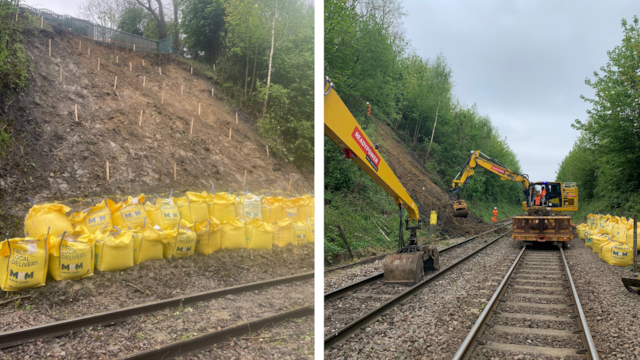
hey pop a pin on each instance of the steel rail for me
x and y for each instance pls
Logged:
(469, 340)
(18, 337)
(209, 339)
(586, 334)
(371, 316)
(377, 257)
(375, 277)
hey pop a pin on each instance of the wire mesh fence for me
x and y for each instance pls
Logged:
(104, 34)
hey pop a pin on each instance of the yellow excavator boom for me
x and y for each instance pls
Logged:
(343, 129)
(477, 158)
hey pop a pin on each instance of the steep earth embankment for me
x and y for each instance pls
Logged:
(53, 157)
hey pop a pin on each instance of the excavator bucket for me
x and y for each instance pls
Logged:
(408, 267)
(460, 209)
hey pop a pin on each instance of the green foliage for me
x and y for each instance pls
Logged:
(605, 160)
(133, 20)
(366, 59)
(203, 27)
(13, 62)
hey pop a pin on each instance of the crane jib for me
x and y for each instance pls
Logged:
(372, 157)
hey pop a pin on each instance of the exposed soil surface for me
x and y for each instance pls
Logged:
(414, 177)
(56, 158)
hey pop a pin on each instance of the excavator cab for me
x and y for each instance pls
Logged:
(460, 209)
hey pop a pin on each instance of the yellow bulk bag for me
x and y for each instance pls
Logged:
(597, 242)
(180, 241)
(289, 209)
(284, 233)
(240, 206)
(23, 263)
(96, 217)
(252, 207)
(259, 234)
(71, 257)
(603, 249)
(580, 229)
(619, 233)
(311, 226)
(618, 254)
(164, 213)
(588, 236)
(305, 207)
(233, 236)
(194, 207)
(47, 218)
(271, 209)
(629, 237)
(300, 232)
(113, 250)
(224, 207)
(209, 237)
(147, 243)
(130, 213)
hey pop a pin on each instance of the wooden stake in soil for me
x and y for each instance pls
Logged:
(76, 109)
(175, 172)
(160, 71)
(107, 170)
(290, 180)
(267, 150)
(191, 131)
(229, 133)
(144, 81)
(212, 92)
(49, 47)
(199, 108)
(98, 64)
(80, 46)
(236, 118)
(115, 83)
(245, 178)
(192, 70)
(130, 66)
(41, 21)
(89, 51)
(182, 90)
(140, 123)
(142, 62)
(117, 59)
(162, 99)
(60, 72)
(134, 47)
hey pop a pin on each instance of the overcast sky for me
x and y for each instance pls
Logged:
(523, 63)
(62, 7)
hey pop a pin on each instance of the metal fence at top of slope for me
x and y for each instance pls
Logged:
(101, 33)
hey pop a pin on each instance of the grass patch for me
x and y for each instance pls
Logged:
(484, 209)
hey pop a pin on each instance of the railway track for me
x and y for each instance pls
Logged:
(535, 311)
(382, 256)
(61, 328)
(389, 294)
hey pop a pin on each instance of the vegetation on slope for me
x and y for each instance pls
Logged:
(367, 58)
(605, 159)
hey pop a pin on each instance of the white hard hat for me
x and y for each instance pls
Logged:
(495, 208)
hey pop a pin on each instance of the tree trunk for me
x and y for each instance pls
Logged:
(176, 29)
(246, 73)
(432, 133)
(159, 16)
(273, 36)
(255, 61)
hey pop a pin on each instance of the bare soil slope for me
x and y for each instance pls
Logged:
(413, 175)
(56, 158)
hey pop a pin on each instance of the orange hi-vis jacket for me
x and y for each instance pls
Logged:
(538, 200)
(495, 213)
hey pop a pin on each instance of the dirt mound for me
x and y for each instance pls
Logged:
(53, 157)
(413, 175)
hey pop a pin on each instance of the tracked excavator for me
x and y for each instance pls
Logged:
(410, 261)
(543, 221)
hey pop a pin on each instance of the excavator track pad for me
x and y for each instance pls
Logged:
(409, 266)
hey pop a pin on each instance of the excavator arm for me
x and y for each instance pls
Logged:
(477, 158)
(343, 129)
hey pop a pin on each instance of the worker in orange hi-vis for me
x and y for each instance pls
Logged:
(368, 109)
(495, 214)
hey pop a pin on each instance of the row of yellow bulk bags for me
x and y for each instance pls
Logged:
(259, 234)
(23, 262)
(47, 219)
(113, 250)
(148, 243)
(233, 235)
(96, 217)
(194, 207)
(130, 213)
(163, 213)
(71, 255)
(208, 236)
